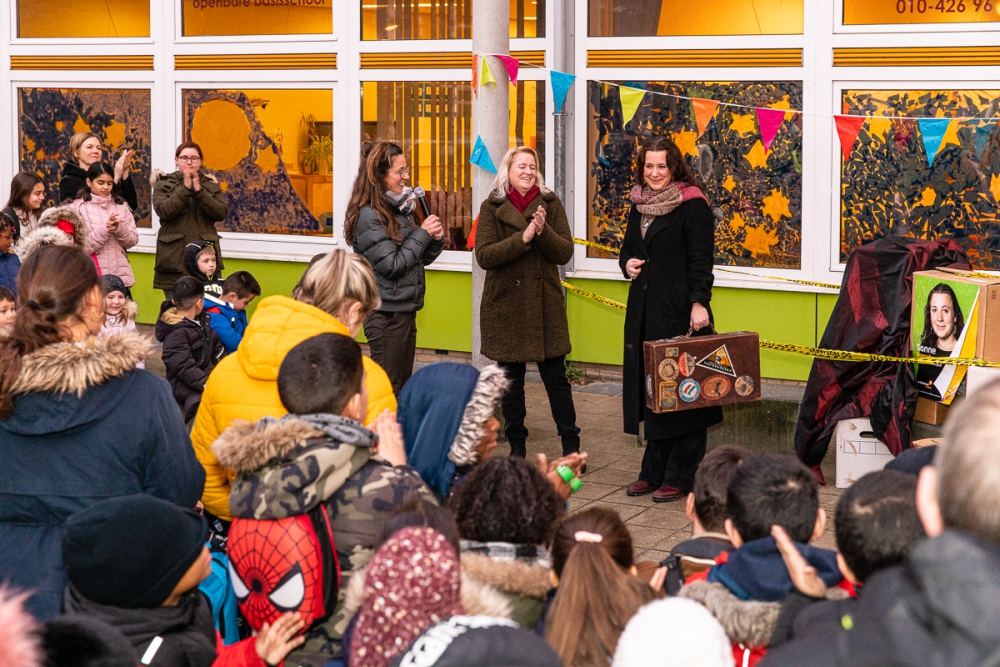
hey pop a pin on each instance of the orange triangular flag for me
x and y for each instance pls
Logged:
(475, 74)
(848, 128)
(704, 111)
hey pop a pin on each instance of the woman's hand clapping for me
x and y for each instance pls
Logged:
(535, 227)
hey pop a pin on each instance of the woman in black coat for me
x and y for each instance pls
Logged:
(84, 150)
(667, 254)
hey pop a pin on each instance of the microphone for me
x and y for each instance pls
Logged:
(421, 197)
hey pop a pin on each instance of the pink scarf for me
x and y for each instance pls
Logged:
(654, 203)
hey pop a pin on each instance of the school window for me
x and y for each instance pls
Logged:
(441, 19)
(633, 18)
(895, 12)
(272, 153)
(432, 122)
(257, 17)
(108, 18)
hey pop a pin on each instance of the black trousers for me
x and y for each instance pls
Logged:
(392, 340)
(553, 372)
(673, 461)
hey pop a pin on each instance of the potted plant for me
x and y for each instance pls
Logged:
(319, 155)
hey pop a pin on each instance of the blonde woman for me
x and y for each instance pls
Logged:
(84, 150)
(335, 295)
(522, 238)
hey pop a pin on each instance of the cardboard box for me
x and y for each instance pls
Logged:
(978, 378)
(859, 452)
(930, 412)
(686, 373)
(954, 314)
(927, 442)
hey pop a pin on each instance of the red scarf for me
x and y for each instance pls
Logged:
(522, 202)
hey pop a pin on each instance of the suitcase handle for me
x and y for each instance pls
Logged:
(691, 330)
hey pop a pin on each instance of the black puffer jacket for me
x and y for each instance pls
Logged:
(190, 351)
(399, 269)
(212, 283)
(75, 179)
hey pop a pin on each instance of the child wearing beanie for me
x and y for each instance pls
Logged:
(120, 310)
(135, 563)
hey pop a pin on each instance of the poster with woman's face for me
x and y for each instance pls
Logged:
(942, 312)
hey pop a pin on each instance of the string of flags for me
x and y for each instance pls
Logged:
(769, 120)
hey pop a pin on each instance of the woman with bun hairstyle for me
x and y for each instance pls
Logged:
(381, 225)
(189, 202)
(78, 422)
(667, 254)
(84, 150)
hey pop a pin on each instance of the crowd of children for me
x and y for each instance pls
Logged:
(344, 531)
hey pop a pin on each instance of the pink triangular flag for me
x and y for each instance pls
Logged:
(848, 128)
(475, 74)
(512, 64)
(769, 121)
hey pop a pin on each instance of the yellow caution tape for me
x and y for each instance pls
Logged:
(822, 353)
(596, 246)
(974, 274)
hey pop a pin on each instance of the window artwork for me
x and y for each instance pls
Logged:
(756, 194)
(272, 153)
(48, 118)
(894, 12)
(441, 19)
(109, 18)
(204, 18)
(432, 122)
(634, 18)
(891, 186)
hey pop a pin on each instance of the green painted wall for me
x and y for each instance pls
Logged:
(445, 323)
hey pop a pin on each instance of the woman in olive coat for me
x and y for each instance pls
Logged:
(667, 254)
(521, 239)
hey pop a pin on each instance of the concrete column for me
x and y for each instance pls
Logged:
(490, 120)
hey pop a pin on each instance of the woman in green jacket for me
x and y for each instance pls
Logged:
(189, 202)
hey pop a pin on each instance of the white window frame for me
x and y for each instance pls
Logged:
(907, 30)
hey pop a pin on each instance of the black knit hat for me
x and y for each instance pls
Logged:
(478, 640)
(131, 551)
(113, 284)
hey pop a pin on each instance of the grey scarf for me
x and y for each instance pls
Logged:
(402, 201)
(341, 429)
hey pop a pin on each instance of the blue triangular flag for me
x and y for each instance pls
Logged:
(561, 83)
(932, 133)
(481, 157)
(982, 135)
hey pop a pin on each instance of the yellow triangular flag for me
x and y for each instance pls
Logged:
(486, 77)
(704, 111)
(630, 99)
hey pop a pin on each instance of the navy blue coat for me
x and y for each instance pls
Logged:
(10, 266)
(60, 453)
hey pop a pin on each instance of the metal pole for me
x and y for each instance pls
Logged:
(490, 120)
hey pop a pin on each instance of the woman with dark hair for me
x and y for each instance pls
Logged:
(380, 225)
(110, 225)
(27, 192)
(189, 203)
(943, 325)
(668, 253)
(84, 150)
(597, 590)
(78, 422)
(505, 510)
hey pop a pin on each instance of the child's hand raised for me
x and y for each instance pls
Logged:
(802, 574)
(390, 438)
(276, 641)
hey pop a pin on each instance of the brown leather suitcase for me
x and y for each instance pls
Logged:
(692, 372)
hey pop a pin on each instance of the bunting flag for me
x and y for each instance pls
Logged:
(983, 133)
(769, 120)
(512, 64)
(848, 128)
(486, 74)
(561, 83)
(932, 132)
(475, 74)
(704, 111)
(481, 157)
(630, 99)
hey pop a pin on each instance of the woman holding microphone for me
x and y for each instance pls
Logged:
(668, 253)
(380, 225)
(522, 238)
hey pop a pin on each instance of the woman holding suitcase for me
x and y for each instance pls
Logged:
(667, 254)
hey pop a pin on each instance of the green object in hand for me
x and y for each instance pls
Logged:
(568, 477)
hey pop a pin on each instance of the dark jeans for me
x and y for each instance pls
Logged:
(392, 340)
(673, 462)
(553, 372)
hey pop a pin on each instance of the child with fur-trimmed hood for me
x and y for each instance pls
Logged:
(61, 225)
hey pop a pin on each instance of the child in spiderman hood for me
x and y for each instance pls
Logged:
(134, 562)
(317, 463)
(201, 264)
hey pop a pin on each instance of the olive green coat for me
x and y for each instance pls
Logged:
(186, 216)
(523, 312)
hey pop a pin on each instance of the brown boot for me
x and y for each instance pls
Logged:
(639, 488)
(666, 494)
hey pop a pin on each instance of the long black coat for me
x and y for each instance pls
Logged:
(75, 179)
(678, 248)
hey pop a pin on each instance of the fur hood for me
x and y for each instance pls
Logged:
(159, 174)
(479, 599)
(490, 388)
(244, 447)
(46, 233)
(73, 367)
(516, 577)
